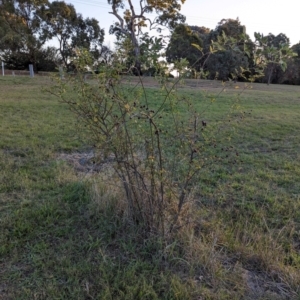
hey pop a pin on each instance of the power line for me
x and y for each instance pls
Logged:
(95, 4)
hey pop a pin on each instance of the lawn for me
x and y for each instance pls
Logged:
(62, 234)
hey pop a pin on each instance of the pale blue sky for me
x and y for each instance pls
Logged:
(263, 16)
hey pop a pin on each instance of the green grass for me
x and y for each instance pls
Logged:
(64, 236)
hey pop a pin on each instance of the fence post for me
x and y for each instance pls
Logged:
(31, 71)
(3, 68)
(61, 73)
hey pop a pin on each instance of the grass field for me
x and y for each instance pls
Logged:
(62, 237)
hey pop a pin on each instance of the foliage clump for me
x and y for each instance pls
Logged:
(158, 147)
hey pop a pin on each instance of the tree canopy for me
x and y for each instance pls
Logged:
(197, 45)
(274, 52)
(24, 29)
(26, 26)
(181, 45)
(131, 20)
(71, 30)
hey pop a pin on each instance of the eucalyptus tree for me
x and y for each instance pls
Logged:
(133, 18)
(24, 30)
(181, 46)
(71, 30)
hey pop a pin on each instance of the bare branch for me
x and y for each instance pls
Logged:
(141, 6)
(115, 13)
(132, 9)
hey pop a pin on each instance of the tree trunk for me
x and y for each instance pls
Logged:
(270, 74)
(137, 53)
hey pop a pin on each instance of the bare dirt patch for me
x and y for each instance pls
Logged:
(82, 162)
(88, 162)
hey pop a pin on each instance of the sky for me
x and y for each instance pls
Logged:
(264, 16)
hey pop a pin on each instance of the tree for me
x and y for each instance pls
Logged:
(104, 55)
(221, 53)
(226, 64)
(71, 31)
(150, 54)
(201, 31)
(231, 27)
(272, 51)
(191, 43)
(48, 60)
(181, 46)
(133, 19)
(234, 55)
(296, 49)
(292, 73)
(25, 31)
